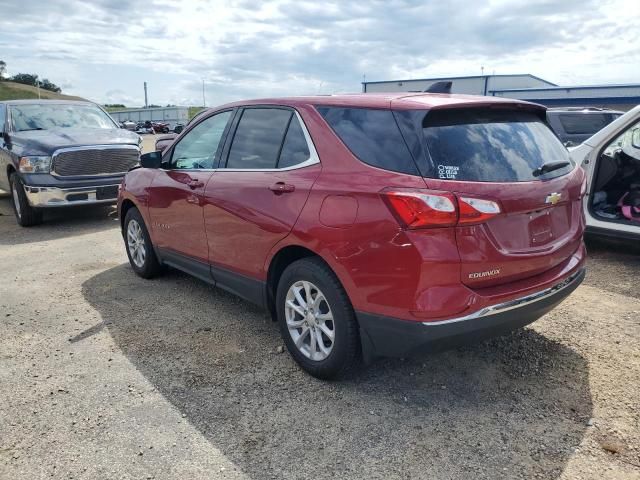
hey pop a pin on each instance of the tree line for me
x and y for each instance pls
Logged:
(28, 79)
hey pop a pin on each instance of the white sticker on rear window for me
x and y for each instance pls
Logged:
(448, 172)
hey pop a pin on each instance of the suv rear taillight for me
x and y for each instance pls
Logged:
(433, 208)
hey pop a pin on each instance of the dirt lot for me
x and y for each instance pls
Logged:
(108, 376)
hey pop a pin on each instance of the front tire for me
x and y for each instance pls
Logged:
(316, 320)
(142, 256)
(26, 215)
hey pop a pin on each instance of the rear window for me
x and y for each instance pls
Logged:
(584, 123)
(487, 145)
(372, 135)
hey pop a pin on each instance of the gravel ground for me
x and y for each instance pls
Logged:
(108, 376)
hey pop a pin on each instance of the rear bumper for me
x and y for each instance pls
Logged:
(42, 197)
(389, 337)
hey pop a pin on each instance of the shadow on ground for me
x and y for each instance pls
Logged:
(494, 410)
(58, 223)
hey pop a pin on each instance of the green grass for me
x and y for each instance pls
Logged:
(18, 91)
(193, 111)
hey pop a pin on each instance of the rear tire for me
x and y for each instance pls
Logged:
(26, 215)
(137, 242)
(322, 334)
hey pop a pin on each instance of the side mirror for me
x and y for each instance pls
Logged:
(151, 160)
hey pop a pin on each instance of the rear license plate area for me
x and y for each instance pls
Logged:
(540, 231)
(107, 193)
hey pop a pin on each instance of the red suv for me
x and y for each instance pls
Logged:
(369, 225)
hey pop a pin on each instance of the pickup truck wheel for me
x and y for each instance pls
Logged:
(137, 242)
(316, 319)
(26, 215)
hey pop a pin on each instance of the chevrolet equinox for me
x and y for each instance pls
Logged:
(368, 225)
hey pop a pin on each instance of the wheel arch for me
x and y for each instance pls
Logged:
(284, 257)
(126, 205)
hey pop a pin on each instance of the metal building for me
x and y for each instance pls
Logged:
(474, 85)
(170, 115)
(524, 87)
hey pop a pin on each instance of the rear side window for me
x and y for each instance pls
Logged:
(294, 149)
(372, 135)
(584, 123)
(258, 138)
(486, 145)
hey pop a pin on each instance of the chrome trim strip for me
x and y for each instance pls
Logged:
(512, 304)
(90, 147)
(312, 160)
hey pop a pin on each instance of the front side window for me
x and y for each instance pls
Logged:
(33, 116)
(198, 148)
(491, 145)
(258, 138)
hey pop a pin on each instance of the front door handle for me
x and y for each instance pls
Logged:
(195, 183)
(281, 187)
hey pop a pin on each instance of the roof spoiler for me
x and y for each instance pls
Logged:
(439, 87)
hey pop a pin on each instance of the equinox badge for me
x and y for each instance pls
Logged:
(489, 273)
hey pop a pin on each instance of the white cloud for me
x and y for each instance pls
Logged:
(105, 49)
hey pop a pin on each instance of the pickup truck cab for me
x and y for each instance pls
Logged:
(611, 159)
(58, 153)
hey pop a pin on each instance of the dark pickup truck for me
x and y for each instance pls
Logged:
(56, 153)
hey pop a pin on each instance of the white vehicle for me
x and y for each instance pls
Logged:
(611, 159)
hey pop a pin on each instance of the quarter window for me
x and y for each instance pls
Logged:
(198, 148)
(584, 123)
(258, 138)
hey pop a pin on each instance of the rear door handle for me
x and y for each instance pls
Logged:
(195, 183)
(281, 187)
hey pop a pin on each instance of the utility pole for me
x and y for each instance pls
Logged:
(146, 100)
(38, 86)
(204, 103)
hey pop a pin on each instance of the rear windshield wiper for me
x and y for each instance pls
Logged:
(549, 167)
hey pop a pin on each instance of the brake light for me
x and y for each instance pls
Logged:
(422, 209)
(429, 208)
(476, 210)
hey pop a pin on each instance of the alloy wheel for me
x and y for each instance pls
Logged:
(136, 244)
(309, 320)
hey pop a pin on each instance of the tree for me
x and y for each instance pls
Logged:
(47, 85)
(3, 69)
(25, 78)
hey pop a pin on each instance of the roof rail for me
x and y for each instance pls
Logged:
(580, 109)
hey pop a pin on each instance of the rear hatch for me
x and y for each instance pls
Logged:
(510, 157)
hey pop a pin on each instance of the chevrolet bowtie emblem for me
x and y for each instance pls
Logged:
(553, 198)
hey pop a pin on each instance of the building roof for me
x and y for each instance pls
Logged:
(461, 78)
(577, 87)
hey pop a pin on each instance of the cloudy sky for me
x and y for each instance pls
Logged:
(104, 49)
